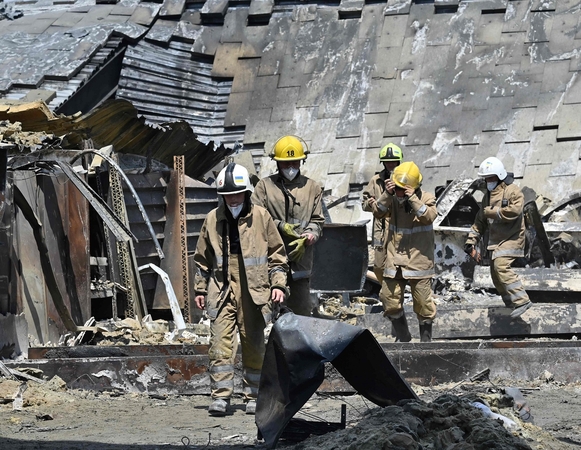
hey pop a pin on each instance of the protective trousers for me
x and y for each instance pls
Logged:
(300, 300)
(392, 296)
(239, 311)
(507, 283)
(378, 262)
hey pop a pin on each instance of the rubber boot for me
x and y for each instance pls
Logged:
(402, 332)
(426, 331)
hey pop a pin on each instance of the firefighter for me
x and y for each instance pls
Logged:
(501, 213)
(390, 156)
(409, 250)
(294, 202)
(241, 270)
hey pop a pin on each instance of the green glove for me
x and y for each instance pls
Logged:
(289, 229)
(299, 250)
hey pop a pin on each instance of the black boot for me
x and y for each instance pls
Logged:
(426, 331)
(402, 332)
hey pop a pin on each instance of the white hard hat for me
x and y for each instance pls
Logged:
(233, 179)
(492, 166)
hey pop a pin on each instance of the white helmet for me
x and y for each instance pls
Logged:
(233, 179)
(492, 166)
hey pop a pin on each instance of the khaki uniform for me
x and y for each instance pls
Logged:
(295, 202)
(374, 189)
(409, 249)
(238, 293)
(506, 227)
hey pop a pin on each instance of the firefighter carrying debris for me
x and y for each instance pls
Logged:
(241, 269)
(409, 249)
(390, 156)
(501, 212)
(294, 202)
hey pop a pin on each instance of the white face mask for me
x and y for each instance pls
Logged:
(236, 210)
(290, 173)
(401, 200)
(490, 186)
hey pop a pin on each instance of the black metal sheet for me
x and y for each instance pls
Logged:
(294, 368)
(341, 259)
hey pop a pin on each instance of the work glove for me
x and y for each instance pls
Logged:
(299, 251)
(472, 252)
(289, 229)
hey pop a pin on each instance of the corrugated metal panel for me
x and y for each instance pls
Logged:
(64, 89)
(117, 123)
(151, 189)
(166, 85)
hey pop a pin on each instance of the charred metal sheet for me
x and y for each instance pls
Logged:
(168, 83)
(475, 321)
(49, 275)
(346, 247)
(100, 85)
(293, 369)
(421, 363)
(13, 336)
(6, 215)
(535, 279)
(448, 199)
(116, 167)
(163, 374)
(101, 351)
(121, 232)
(117, 123)
(535, 228)
(426, 364)
(63, 213)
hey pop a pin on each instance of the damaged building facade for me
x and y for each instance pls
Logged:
(169, 90)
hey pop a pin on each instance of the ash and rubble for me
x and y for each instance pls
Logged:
(445, 417)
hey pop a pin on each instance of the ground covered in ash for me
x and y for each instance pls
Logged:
(51, 416)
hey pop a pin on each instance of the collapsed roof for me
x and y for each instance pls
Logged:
(451, 82)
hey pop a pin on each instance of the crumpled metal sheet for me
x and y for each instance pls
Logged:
(294, 368)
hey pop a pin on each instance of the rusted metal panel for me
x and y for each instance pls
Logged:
(423, 364)
(102, 351)
(171, 246)
(63, 213)
(65, 218)
(161, 374)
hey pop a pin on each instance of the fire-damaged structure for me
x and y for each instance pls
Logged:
(82, 230)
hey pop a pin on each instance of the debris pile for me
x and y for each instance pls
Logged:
(449, 422)
(150, 332)
(7, 11)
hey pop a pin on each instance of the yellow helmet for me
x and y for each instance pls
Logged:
(407, 174)
(390, 152)
(289, 148)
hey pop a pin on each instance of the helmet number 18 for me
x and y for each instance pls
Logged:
(290, 153)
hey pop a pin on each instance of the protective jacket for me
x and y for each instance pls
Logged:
(409, 243)
(296, 202)
(501, 212)
(374, 189)
(265, 260)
